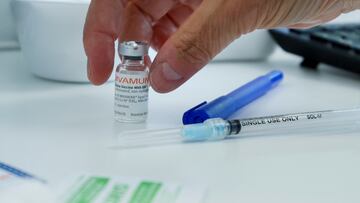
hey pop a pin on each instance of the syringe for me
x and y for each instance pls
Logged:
(218, 129)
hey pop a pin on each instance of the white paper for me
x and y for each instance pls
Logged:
(100, 189)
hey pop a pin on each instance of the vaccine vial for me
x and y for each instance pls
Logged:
(132, 83)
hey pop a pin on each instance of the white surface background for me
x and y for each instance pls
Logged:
(56, 130)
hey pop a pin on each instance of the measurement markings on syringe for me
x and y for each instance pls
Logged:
(279, 119)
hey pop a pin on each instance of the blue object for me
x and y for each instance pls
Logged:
(15, 171)
(224, 106)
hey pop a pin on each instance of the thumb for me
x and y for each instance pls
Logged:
(204, 34)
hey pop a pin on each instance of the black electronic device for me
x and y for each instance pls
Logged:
(333, 44)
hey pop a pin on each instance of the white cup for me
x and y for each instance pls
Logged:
(50, 35)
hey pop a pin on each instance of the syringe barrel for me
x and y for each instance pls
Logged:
(302, 122)
(308, 122)
(217, 129)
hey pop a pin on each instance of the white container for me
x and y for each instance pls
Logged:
(8, 39)
(50, 34)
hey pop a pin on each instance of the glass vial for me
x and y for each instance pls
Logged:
(132, 83)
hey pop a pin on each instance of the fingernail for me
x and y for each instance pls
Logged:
(169, 73)
(163, 78)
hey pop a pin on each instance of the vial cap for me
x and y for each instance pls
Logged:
(133, 48)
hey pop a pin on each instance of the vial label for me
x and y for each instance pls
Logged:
(131, 95)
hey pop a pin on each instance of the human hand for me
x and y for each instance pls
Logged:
(189, 33)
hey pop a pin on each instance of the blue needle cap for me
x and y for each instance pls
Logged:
(226, 105)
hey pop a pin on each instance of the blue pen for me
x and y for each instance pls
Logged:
(18, 173)
(226, 105)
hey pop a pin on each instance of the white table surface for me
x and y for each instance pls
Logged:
(56, 130)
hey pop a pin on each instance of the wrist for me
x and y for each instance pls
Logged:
(350, 5)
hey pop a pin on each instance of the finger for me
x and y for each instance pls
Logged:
(168, 24)
(139, 17)
(136, 26)
(156, 9)
(163, 29)
(147, 61)
(179, 14)
(351, 6)
(197, 41)
(100, 32)
(319, 21)
(194, 4)
(302, 26)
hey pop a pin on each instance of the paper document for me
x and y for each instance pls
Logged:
(99, 189)
(17, 186)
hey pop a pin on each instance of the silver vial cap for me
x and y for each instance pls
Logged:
(133, 48)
